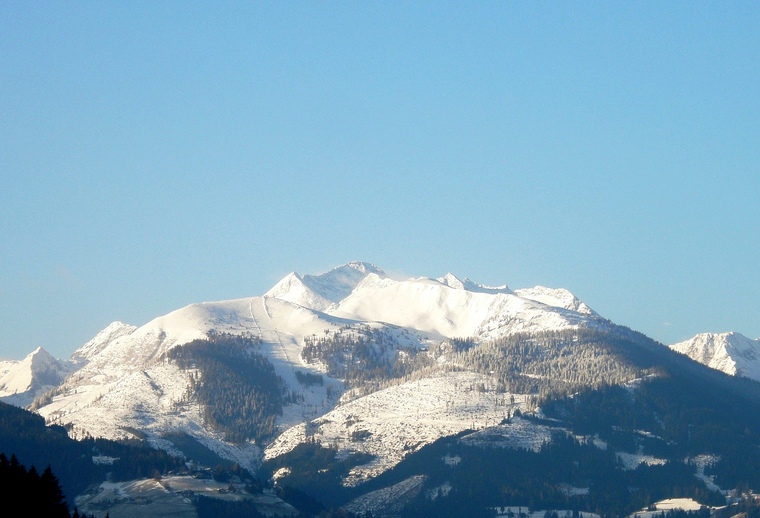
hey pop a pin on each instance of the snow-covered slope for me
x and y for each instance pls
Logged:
(448, 307)
(443, 308)
(26, 379)
(113, 331)
(732, 353)
(453, 281)
(560, 298)
(393, 422)
(124, 383)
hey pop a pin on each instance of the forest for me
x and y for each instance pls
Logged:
(239, 391)
(487, 478)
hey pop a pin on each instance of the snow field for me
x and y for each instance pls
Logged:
(171, 496)
(632, 460)
(701, 462)
(398, 420)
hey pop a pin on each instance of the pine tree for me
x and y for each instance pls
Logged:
(52, 496)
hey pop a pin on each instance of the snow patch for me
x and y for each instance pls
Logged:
(632, 460)
(518, 433)
(388, 500)
(523, 512)
(685, 504)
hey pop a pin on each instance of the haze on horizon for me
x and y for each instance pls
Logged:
(152, 156)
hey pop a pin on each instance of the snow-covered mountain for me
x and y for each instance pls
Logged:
(124, 382)
(24, 380)
(732, 353)
(372, 373)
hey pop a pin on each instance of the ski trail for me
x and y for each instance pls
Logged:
(250, 311)
(282, 347)
(274, 331)
(269, 316)
(266, 310)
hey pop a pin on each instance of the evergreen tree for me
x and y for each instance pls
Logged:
(52, 494)
(38, 495)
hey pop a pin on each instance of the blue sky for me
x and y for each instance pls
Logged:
(157, 154)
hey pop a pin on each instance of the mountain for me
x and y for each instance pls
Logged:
(732, 353)
(22, 381)
(124, 381)
(319, 292)
(346, 388)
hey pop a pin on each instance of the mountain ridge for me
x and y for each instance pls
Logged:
(120, 372)
(730, 352)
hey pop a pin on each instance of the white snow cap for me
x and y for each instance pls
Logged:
(360, 290)
(321, 291)
(557, 297)
(452, 281)
(339, 282)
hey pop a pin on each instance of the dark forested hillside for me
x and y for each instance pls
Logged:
(558, 362)
(25, 436)
(238, 388)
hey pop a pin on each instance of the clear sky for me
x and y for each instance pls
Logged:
(156, 154)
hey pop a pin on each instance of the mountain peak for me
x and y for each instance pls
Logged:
(362, 267)
(452, 281)
(110, 333)
(28, 378)
(731, 352)
(321, 291)
(39, 350)
(40, 355)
